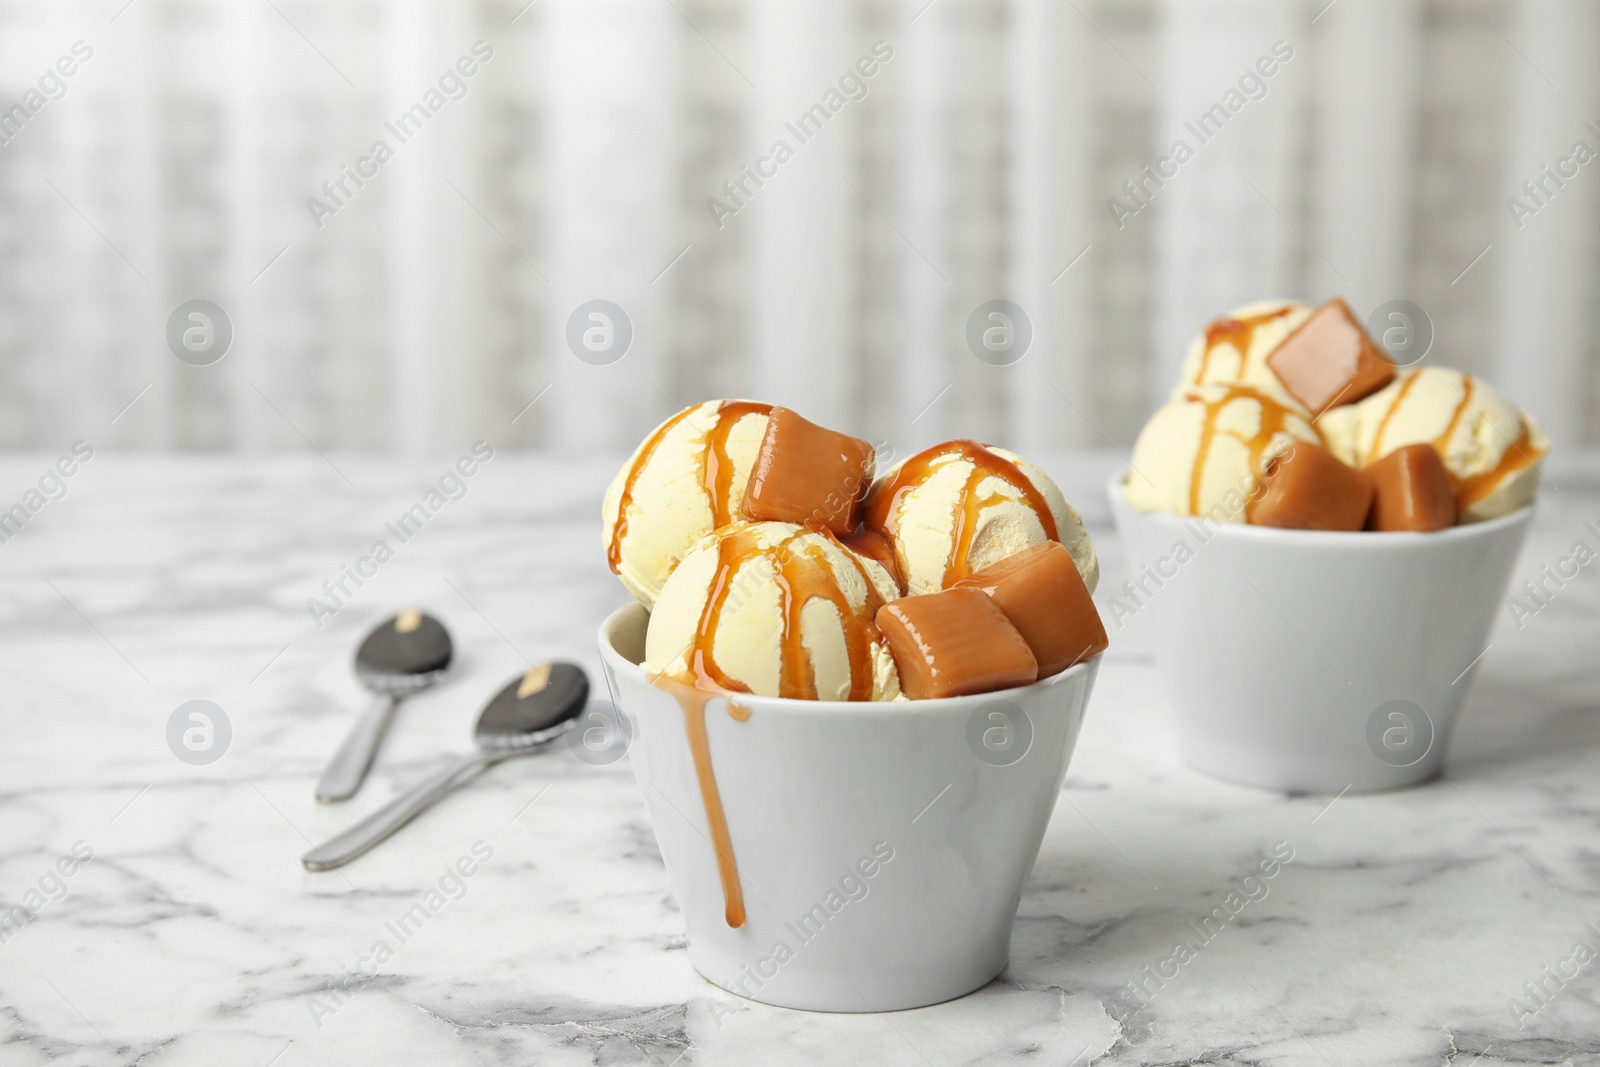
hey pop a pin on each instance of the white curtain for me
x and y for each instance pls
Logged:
(587, 156)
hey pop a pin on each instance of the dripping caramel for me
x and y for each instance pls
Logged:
(885, 500)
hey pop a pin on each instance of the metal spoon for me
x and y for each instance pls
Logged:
(532, 710)
(403, 655)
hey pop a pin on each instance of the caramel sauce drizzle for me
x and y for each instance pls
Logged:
(1237, 332)
(717, 478)
(883, 503)
(1273, 421)
(1383, 424)
(693, 701)
(867, 542)
(1519, 457)
(1441, 444)
(1469, 490)
(803, 573)
(717, 468)
(957, 565)
(625, 499)
(868, 614)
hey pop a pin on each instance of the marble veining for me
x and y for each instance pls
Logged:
(1403, 930)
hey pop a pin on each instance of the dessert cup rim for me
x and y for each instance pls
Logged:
(615, 660)
(1350, 540)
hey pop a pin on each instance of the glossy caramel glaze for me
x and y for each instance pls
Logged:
(1274, 420)
(884, 502)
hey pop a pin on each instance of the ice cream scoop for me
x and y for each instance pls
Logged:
(1491, 448)
(1234, 350)
(1205, 451)
(774, 609)
(960, 506)
(686, 479)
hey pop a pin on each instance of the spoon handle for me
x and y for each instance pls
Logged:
(350, 764)
(338, 851)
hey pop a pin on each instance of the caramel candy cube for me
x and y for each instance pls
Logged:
(1330, 360)
(807, 474)
(1309, 488)
(1044, 596)
(954, 643)
(1411, 490)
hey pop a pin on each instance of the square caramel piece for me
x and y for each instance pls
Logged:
(807, 474)
(1309, 488)
(953, 644)
(1044, 596)
(1411, 491)
(1330, 360)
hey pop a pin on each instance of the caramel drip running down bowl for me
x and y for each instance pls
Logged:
(812, 889)
(693, 701)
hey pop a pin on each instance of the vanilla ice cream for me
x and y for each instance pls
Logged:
(686, 479)
(1492, 449)
(960, 506)
(1203, 452)
(777, 610)
(1235, 349)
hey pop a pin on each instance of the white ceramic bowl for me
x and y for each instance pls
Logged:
(1313, 661)
(881, 848)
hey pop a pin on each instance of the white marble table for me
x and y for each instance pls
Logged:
(1399, 933)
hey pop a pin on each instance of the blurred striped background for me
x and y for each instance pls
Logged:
(432, 306)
